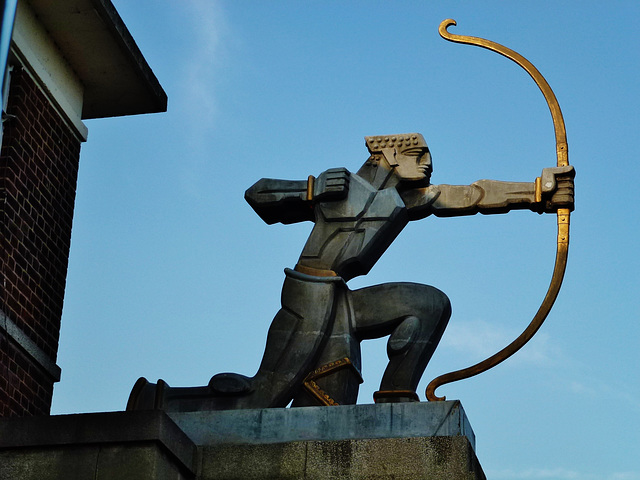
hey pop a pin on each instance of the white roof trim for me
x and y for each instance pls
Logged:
(37, 51)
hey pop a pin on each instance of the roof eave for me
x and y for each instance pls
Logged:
(99, 48)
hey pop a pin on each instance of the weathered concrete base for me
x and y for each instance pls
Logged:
(432, 458)
(365, 442)
(344, 422)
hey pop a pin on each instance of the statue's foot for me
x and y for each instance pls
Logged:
(395, 396)
(142, 396)
(230, 384)
(224, 392)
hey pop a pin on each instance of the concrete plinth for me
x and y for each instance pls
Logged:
(432, 458)
(101, 446)
(365, 442)
(352, 422)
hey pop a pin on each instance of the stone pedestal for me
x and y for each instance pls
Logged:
(433, 458)
(387, 441)
(100, 446)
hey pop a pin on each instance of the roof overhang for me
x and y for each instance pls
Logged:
(96, 43)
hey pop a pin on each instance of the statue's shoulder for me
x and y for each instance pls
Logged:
(419, 201)
(353, 205)
(363, 201)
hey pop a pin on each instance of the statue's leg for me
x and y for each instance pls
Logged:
(415, 317)
(294, 340)
(296, 337)
(335, 377)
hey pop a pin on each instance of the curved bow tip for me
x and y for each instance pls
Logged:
(431, 392)
(442, 29)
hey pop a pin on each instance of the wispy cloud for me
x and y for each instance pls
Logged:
(582, 389)
(624, 476)
(612, 391)
(560, 474)
(478, 339)
(205, 60)
(208, 28)
(547, 473)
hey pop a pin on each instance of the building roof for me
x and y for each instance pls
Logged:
(97, 45)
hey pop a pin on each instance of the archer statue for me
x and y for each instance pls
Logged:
(312, 355)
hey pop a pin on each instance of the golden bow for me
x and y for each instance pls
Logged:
(563, 216)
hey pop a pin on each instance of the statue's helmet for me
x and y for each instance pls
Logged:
(406, 154)
(401, 143)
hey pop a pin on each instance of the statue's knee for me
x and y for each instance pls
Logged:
(445, 305)
(403, 336)
(436, 303)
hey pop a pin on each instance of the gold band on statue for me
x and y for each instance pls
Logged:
(315, 272)
(310, 182)
(538, 194)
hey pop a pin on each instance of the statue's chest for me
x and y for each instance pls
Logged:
(363, 205)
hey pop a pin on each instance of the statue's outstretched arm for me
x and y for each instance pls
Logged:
(291, 201)
(484, 196)
(553, 190)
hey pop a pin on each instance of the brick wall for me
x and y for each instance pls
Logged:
(38, 173)
(24, 388)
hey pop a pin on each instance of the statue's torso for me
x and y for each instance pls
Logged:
(350, 235)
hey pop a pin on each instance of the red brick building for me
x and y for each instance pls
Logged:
(70, 60)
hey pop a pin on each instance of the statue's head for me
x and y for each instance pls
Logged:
(407, 154)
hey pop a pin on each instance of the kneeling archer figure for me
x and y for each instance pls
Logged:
(312, 356)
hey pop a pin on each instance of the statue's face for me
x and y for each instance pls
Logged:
(414, 164)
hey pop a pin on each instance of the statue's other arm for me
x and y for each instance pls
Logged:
(279, 200)
(291, 201)
(554, 190)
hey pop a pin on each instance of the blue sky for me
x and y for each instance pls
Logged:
(173, 276)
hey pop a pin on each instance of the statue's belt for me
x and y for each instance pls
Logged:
(316, 272)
